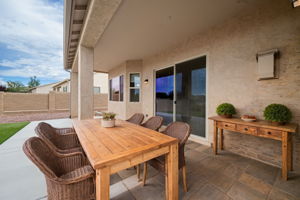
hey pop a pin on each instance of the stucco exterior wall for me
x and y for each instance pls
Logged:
(61, 86)
(125, 109)
(101, 80)
(118, 107)
(232, 72)
(133, 66)
(44, 89)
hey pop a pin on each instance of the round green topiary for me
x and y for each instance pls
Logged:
(277, 113)
(225, 109)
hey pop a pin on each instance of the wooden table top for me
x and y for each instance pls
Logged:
(105, 146)
(292, 128)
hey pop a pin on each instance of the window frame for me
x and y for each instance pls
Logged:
(65, 89)
(96, 87)
(121, 88)
(138, 88)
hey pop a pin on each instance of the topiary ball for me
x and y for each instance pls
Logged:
(277, 113)
(226, 109)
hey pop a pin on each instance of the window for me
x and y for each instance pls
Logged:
(134, 87)
(65, 89)
(58, 89)
(116, 88)
(97, 90)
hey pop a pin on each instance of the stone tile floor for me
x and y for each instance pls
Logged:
(223, 177)
(226, 176)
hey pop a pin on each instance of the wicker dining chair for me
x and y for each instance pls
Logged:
(137, 118)
(153, 123)
(181, 131)
(61, 140)
(68, 176)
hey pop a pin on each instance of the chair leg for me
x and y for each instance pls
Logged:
(138, 172)
(184, 178)
(145, 173)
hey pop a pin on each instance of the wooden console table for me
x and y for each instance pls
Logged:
(259, 128)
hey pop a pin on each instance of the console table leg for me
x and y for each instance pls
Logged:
(290, 152)
(221, 139)
(215, 145)
(285, 144)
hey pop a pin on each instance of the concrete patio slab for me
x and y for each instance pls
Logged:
(19, 178)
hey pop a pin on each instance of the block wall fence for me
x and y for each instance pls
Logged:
(14, 103)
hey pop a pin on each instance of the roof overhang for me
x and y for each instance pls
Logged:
(84, 23)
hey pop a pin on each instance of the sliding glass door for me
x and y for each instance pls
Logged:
(164, 90)
(191, 94)
(181, 94)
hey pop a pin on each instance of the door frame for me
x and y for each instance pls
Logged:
(154, 90)
(196, 138)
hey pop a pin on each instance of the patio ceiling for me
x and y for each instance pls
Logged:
(135, 29)
(141, 28)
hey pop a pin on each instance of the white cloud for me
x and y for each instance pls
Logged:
(34, 28)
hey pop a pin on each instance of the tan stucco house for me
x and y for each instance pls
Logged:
(43, 89)
(100, 84)
(181, 59)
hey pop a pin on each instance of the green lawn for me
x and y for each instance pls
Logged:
(8, 130)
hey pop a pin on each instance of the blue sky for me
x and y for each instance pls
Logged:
(31, 40)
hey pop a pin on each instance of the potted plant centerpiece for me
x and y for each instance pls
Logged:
(226, 110)
(278, 114)
(108, 119)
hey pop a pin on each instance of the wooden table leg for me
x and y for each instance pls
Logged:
(290, 152)
(102, 184)
(172, 173)
(284, 169)
(221, 139)
(215, 144)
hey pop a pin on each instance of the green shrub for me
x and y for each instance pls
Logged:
(277, 113)
(108, 115)
(225, 109)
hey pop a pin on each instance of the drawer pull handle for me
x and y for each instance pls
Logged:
(226, 125)
(269, 133)
(246, 129)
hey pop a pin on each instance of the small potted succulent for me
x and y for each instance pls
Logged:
(108, 119)
(278, 114)
(226, 110)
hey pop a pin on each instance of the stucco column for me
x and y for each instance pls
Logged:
(74, 95)
(85, 83)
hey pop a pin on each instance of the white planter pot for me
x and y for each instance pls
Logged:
(108, 123)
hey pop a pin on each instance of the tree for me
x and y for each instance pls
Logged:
(33, 82)
(2, 88)
(15, 86)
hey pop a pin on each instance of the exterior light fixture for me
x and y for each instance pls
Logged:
(295, 3)
(146, 81)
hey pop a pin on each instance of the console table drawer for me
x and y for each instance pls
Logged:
(226, 125)
(246, 129)
(270, 133)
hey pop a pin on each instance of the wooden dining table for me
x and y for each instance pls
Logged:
(110, 150)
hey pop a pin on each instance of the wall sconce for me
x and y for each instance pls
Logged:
(146, 81)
